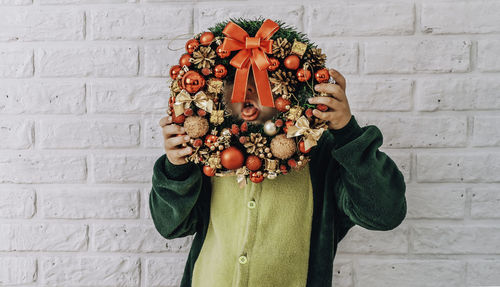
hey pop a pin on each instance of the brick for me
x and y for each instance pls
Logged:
(78, 133)
(90, 203)
(42, 97)
(135, 238)
(360, 240)
(20, 24)
(361, 19)
(17, 270)
(483, 272)
(486, 131)
(343, 56)
(458, 167)
(208, 14)
(457, 17)
(446, 239)
(410, 273)
(15, 2)
(410, 56)
(140, 23)
(15, 134)
(165, 271)
(16, 63)
(399, 132)
(106, 61)
(457, 94)
(91, 271)
(153, 136)
(24, 168)
(146, 212)
(129, 97)
(437, 202)
(342, 273)
(159, 58)
(485, 203)
(123, 168)
(51, 2)
(487, 55)
(43, 237)
(379, 95)
(17, 202)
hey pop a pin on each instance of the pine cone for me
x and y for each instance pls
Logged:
(204, 57)
(315, 58)
(281, 48)
(283, 82)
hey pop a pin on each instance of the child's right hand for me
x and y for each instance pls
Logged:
(176, 154)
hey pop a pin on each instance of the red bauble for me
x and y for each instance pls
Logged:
(256, 177)
(292, 163)
(191, 45)
(232, 158)
(287, 124)
(322, 76)
(184, 60)
(221, 52)
(274, 64)
(303, 75)
(188, 112)
(281, 104)
(309, 112)
(206, 71)
(302, 147)
(292, 62)
(210, 139)
(235, 129)
(201, 113)
(253, 162)
(278, 123)
(244, 127)
(283, 169)
(192, 81)
(208, 171)
(179, 119)
(206, 38)
(220, 71)
(197, 143)
(174, 71)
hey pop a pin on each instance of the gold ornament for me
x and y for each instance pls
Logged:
(271, 165)
(217, 117)
(214, 161)
(301, 127)
(174, 88)
(255, 143)
(214, 86)
(204, 57)
(298, 48)
(183, 101)
(315, 58)
(294, 113)
(282, 82)
(281, 47)
(197, 154)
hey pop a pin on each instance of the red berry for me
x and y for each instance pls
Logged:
(278, 123)
(235, 129)
(188, 112)
(255, 177)
(244, 127)
(287, 124)
(201, 112)
(179, 119)
(292, 163)
(283, 169)
(197, 142)
(208, 171)
(243, 140)
(302, 147)
(322, 107)
(309, 112)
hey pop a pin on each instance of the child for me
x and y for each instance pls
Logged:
(281, 232)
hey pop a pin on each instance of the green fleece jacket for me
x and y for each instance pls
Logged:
(353, 183)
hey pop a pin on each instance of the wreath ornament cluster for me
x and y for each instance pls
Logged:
(285, 65)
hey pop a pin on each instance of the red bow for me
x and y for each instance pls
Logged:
(252, 50)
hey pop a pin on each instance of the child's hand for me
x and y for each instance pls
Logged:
(176, 154)
(339, 113)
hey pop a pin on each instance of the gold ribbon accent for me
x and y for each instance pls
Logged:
(183, 101)
(301, 127)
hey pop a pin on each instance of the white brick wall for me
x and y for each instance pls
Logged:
(83, 85)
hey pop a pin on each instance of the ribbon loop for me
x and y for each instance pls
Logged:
(183, 101)
(301, 127)
(252, 54)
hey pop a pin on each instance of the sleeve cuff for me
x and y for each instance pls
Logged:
(177, 172)
(346, 134)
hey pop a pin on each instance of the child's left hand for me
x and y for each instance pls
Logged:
(339, 112)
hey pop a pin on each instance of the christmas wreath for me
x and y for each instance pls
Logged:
(224, 143)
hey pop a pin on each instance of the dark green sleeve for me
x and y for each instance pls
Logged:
(371, 189)
(173, 200)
